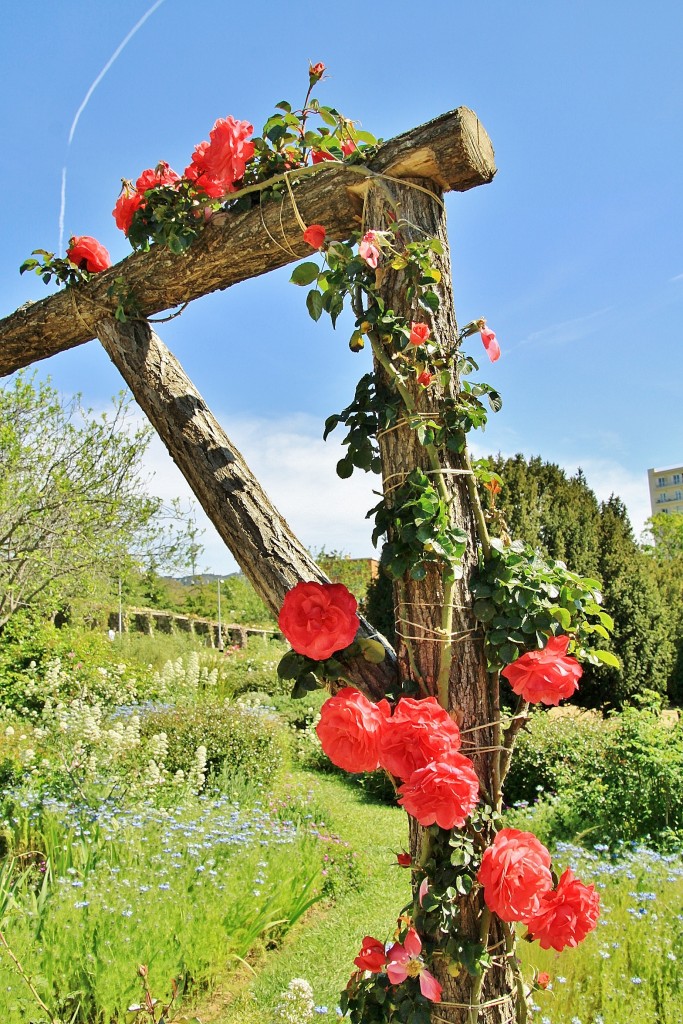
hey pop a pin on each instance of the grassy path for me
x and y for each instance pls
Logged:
(322, 948)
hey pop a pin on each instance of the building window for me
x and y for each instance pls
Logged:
(677, 478)
(678, 496)
(661, 481)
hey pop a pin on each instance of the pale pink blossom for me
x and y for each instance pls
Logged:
(368, 251)
(404, 961)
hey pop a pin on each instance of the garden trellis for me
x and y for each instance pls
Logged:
(442, 646)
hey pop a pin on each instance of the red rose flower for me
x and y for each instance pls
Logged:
(490, 343)
(515, 873)
(419, 732)
(319, 619)
(319, 155)
(225, 157)
(162, 174)
(348, 147)
(543, 979)
(425, 379)
(314, 235)
(316, 71)
(442, 793)
(89, 254)
(419, 333)
(197, 172)
(126, 205)
(372, 956)
(350, 728)
(547, 675)
(404, 860)
(566, 914)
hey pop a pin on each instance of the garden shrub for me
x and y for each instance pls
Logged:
(550, 751)
(620, 779)
(241, 742)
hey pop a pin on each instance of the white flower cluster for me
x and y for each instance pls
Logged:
(296, 1005)
(184, 678)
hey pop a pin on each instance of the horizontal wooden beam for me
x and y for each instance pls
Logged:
(453, 151)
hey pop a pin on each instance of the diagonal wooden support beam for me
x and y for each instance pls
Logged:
(453, 151)
(261, 541)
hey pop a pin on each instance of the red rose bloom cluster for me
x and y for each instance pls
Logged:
(442, 793)
(217, 165)
(518, 886)
(319, 619)
(546, 676)
(418, 744)
(515, 874)
(86, 252)
(215, 168)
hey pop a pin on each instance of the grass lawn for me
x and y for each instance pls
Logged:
(321, 949)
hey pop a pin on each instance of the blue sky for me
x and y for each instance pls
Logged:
(573, 253)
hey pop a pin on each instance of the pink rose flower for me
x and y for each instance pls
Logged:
(515, 873)
(124, 208)
(566, 914)
(217, 165)
(442, 793)
(162, 174)
(546, 676)
(319, 619)
(348, 147)
(368, 251)
(350, 729)
(490, 343)
(403, 961)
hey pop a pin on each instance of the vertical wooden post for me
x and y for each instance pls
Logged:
(423, 619)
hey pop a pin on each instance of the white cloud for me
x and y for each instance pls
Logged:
(296, 468)
(564, 332)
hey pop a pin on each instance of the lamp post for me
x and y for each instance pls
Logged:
(120, 611)
(220, 631)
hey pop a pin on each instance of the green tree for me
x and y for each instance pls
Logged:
(75, 514)
(663, 547)
(561, 516)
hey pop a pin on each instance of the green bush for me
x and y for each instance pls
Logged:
(239, 742)
(618, 779)
(252, 668)
(550, 751)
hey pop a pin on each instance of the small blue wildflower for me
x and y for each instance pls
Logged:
(636, 981)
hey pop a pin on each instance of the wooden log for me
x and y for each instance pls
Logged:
(453, 150)
(261, 541)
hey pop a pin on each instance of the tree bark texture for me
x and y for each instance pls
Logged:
(419, 604)
(453, 150)
(259, 538)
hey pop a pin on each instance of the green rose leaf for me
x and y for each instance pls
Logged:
(372, 650)
(305, 273)
(314, 304)
(607, 658)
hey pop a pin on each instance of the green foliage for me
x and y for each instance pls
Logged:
(665, 555)
(552, 751)
(49, 266)
(420, 527)
(523, 600)
(238, 742)
(618, 779)
(561, 517)
(39, 662)
(354, 573)
(74, 513)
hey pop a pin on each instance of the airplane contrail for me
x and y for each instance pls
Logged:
(117, 52)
